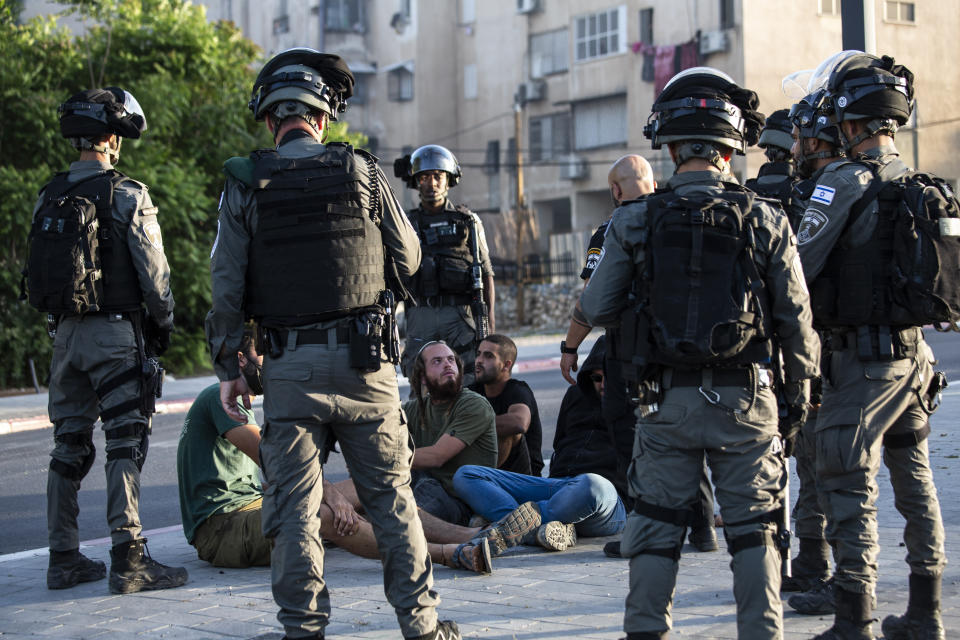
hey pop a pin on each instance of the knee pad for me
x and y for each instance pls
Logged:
(136, 453)
(82, 441)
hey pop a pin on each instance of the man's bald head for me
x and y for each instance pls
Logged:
(630, 177)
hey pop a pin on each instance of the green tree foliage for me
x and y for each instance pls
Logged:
(193, 80)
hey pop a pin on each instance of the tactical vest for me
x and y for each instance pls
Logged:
(700, 299)
(788, 191)
(447, 257)
(317, 252)
(907, 272)
(112, 285)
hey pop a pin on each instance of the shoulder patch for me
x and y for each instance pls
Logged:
(823, 194)
(240, 169)
(152, 231)
(813, 223)
(594, 254)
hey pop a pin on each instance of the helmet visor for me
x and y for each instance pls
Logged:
(133, 108)
(794, 86)
(821, 75)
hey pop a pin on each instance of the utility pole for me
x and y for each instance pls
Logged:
(521, 205)
(859, 29)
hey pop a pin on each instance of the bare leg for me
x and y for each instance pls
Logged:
(435, 529)
(364, 544)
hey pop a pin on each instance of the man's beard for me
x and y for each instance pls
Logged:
(446, 389)
(484, 375)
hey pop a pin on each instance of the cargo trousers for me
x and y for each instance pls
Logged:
(89, 351)
(309, 392)
(735, 428)
(872, 410)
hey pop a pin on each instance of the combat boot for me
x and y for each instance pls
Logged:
(922, 620)
(852, 620)
(446, 630)
(70, 568)
(132, 569)
(810, 567)
(646, 635)
(517, 527)
(818, 600)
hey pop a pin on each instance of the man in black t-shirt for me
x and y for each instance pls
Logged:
(519, 434)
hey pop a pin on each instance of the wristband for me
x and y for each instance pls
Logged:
(568, 350)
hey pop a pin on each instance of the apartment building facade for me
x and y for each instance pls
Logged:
(583, 75)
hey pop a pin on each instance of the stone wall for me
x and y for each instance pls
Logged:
(546, 307)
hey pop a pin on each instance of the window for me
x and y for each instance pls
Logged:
(727, 17)
(469, 82)
(400, 84)
(646, 26)
(281, 24)
(344, 15)
(406, 9)
(548, 53)
(493, 191)
(599, 123)
(549, 136)
(361, 87)
(829, 7)
(600, 34)
(491, 161)
(904, 12)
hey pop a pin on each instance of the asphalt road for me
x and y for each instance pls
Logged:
(24, 458)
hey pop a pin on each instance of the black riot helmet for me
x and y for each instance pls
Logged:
(861, 86)
(777, 131)
(705, 104)
(433, 157)
(811, 122)
(97, 112)
(299, 81)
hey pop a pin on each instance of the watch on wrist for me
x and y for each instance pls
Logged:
(565, 349)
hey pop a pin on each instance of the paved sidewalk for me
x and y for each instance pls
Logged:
(532, 594)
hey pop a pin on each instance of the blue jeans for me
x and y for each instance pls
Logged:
(588, 501)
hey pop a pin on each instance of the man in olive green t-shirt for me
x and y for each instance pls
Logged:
(451, 427)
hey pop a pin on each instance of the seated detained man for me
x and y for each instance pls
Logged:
(221, 495)
(451, 426)
(519, 434)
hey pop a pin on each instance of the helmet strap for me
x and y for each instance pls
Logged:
(871, 128)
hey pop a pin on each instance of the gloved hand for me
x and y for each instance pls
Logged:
(156, 339)
(796, 397)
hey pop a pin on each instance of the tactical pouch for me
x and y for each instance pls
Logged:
(151, 386)
(366, 333)
(453, 274)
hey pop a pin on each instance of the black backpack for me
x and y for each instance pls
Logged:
(702, 285)
(63, 274)
(925, 268)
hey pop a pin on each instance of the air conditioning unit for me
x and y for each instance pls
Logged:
(532, 91)
(714, 42)
(573, 167)
(527, 6)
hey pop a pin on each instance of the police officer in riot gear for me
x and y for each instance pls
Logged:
(879, 370)
(99, 352)
(726, 408)
(442, 287)
(305, 233)
(815, 146)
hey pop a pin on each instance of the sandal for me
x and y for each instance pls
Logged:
(481, 562)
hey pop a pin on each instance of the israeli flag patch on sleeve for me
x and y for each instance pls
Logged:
(823, 194)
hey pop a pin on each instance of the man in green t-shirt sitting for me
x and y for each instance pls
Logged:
(221, 493)
(451, 427)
